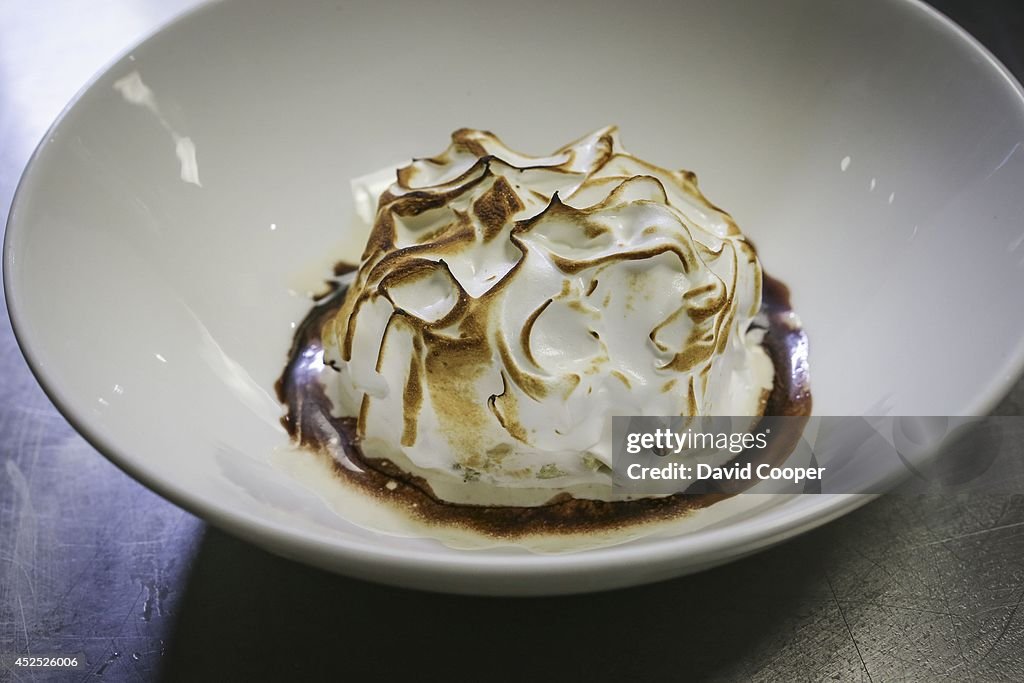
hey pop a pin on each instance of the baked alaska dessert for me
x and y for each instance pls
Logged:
(506, 306)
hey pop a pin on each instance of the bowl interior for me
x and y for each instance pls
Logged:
(871, 150)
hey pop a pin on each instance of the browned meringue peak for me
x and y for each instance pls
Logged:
(507, 305)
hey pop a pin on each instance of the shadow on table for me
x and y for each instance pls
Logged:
(248, 615)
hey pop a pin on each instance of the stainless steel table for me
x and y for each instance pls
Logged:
(92, 563)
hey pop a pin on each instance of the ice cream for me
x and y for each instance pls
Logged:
(506, 306)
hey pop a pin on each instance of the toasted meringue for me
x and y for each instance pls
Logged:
(507, 306)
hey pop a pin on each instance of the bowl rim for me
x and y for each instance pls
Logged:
(725, 543)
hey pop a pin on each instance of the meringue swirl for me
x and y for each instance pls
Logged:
(506, 306)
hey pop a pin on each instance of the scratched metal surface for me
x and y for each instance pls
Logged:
(907, 588)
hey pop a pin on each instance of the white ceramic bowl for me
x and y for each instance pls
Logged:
(872, 150)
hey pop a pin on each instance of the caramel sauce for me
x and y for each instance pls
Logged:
(313, 427)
